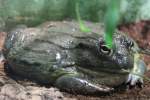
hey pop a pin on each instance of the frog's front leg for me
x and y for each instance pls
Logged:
(136, 75)
(74, 84)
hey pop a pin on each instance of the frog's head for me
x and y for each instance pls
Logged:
(122, 52)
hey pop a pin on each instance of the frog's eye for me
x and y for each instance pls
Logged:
(130, 44)
(105, 50)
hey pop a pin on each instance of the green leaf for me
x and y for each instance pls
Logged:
(111, 21)
(83, 28)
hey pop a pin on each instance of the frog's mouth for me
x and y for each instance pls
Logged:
(103, 76)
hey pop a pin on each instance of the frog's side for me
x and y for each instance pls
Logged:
(60, 54)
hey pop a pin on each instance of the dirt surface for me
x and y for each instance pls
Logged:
(139, 31)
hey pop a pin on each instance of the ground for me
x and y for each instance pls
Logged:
(141, 33)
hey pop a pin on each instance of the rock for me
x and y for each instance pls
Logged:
(13, 91)
(18, 92)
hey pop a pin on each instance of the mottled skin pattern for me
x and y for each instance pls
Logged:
(59, 53)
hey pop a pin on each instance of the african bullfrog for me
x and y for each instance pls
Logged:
(58, 53)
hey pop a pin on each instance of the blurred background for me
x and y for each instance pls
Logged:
(33, 12)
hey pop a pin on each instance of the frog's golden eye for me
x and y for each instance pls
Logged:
(105, 50)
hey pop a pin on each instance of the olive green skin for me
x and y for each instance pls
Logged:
(59, 53)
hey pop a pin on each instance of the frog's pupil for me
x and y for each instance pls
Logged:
(104, 48)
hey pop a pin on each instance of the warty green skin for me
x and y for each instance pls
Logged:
(58, 53)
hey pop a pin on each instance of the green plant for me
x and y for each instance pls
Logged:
(111, 20)
(83, 28)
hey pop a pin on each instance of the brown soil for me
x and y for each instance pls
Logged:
(141, 33)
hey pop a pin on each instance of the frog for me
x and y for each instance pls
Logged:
(58, 53)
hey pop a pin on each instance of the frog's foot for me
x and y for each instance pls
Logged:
(79, 86)
(135, 78)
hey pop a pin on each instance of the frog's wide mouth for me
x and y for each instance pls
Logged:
(100, 72)
(107, 77)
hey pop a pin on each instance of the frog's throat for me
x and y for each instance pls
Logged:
(139, 66)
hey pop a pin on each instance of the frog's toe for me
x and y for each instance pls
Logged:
(77, 85)
(136, 76)
(134, 80)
